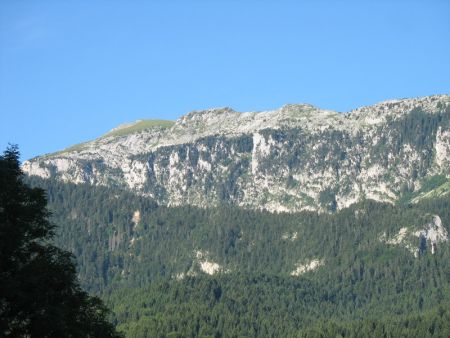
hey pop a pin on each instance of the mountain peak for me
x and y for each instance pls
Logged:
(297, 107)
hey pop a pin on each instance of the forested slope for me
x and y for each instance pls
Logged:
(229, 272)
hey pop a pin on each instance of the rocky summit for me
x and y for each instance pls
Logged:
(298, 157)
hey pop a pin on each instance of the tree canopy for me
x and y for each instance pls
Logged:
(39, 292)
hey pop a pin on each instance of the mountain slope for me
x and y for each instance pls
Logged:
(124, 240)
(226, 272)
(295, 158)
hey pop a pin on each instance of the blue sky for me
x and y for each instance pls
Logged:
(72, 70)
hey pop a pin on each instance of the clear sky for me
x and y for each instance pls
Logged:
(72, 70)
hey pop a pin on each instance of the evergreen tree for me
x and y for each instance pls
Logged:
(39, 293)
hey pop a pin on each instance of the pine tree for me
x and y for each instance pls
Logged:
(39, 293)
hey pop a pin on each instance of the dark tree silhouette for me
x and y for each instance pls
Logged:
(39, 293)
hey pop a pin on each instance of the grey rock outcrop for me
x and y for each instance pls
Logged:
(295, 158)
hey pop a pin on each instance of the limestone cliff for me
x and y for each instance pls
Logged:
(294, 158)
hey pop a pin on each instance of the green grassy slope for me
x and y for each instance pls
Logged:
(139, 126)
(121, 131)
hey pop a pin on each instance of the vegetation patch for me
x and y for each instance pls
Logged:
(139, 126)
(433, 186)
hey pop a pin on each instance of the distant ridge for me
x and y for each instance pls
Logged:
(297, 157)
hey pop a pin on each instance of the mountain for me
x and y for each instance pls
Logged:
(172, 224)
(298, 157)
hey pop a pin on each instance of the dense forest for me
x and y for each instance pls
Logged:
(272, 306)
(143, 260)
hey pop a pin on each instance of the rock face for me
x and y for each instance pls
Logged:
(309, 266)
(429, 237)
(295, 158)
(433, 233)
